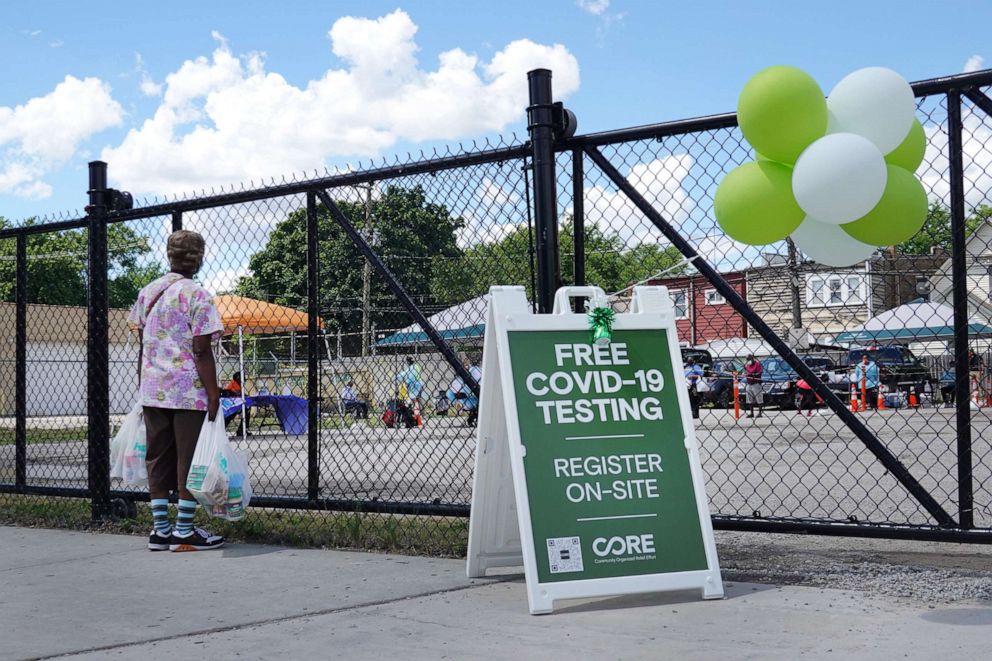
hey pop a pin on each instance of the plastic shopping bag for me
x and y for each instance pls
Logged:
(128, 450)
(218, 476)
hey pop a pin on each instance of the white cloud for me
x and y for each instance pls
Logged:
(492, 193)
(976, 138)
(660, 182)
(147, 86)
(594, 7)
(36, 138)
(223, 281)
(56, 43)
(724, 252)
(478, 231)
(974, 63)
(225, 118)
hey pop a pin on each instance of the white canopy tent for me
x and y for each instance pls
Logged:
(465, 321)
(738, 347)
(912, 322)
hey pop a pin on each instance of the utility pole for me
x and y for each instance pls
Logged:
(367, 273)
(797, 311)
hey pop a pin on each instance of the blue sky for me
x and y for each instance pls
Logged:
(635, 63)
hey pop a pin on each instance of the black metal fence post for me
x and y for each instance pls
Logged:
(97, 358)
(959, 285)
(177, 221)
(540, 126)
(578, 218)
(20, 363)
(313, 352)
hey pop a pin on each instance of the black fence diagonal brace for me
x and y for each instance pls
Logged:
(397, 288)
(890, 462)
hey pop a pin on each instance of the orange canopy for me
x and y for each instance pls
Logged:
(254, 316)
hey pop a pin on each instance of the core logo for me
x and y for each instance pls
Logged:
(629, 545)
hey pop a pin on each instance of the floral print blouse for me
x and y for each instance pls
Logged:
(168, 374)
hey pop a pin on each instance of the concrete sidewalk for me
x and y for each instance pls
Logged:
(97, 596)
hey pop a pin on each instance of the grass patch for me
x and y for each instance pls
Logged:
(415, 535)
(62, 435)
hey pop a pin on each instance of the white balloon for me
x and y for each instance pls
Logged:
(839, 178)
(830, 244)
(876, 103)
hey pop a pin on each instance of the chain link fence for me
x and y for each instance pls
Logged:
(353, 408)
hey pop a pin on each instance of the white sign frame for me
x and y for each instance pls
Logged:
(499, 488)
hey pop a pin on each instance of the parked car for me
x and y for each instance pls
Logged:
(783, 390)
(779, 379)
(898, 367)
(778, 382)
(702, 357)
(719, 390)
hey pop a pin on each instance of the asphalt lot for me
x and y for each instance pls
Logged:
(781, 464)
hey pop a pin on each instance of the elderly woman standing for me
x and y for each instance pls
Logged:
(177, 322)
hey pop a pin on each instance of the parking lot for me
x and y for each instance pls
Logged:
(781, 464)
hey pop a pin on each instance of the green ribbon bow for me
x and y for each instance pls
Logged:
(601, 325)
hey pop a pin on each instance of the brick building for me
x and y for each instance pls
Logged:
(702, 315)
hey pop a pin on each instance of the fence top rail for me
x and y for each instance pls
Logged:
(931, 86)
(921, 88)
(41, 228)
(440, 164)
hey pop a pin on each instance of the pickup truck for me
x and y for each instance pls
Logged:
(898, 368)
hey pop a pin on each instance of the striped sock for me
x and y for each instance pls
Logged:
(160, 516)
(184, 522)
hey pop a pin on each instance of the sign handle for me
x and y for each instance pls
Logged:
(565, 294)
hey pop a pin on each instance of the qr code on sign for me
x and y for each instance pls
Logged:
(564, 554)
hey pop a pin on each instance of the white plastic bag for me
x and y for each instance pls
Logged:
(218, 476)
(128, 450)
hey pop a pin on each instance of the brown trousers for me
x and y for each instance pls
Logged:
(171, 437)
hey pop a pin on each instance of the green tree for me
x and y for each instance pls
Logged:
(936, 231)
(415, 238)
(609, 263)
(57, 266)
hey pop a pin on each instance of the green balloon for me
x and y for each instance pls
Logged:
(898, 215)
(909, 154)
(781, 110)
(754, 203)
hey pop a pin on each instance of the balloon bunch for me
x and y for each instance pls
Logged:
(836, 174)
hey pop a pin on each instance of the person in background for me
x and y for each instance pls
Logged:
(233, 389)
(471, 401)
(177, 376)
(948, 391)
(693, 375)
(443, 403)
(753, 391)
(867, 372)
(409, 379)
(807, 398)
(352, 402)
(975, 365)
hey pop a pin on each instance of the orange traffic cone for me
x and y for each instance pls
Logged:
(913, 401)
(854, 399)
(881, 397)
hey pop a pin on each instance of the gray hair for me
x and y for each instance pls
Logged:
(185, 251)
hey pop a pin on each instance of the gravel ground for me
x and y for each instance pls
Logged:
(923, 572)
